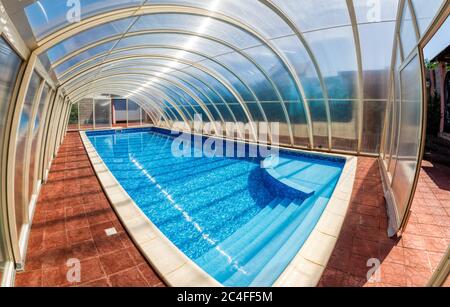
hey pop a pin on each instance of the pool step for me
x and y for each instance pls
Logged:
(285, 253)
(219, 255)
(245, 248)
(257, 253)
(260, 257)
(278, 229)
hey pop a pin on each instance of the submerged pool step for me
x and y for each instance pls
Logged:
(218, 256)
(267, 252)
(243, 251)
(285, 253)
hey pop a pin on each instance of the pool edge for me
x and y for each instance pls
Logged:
(305, 269)
(172, 265)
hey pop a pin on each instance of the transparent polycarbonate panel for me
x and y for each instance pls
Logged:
(83, 69)
(425, 11)
(396, 111)
(410, 134)
(170, 53)
(45, 61)
(302, 64)
(388, 137)
(10, 64)
(296, 113)
(76, 82)
(318, 111)
(175, 90)
(255, 111)
(175, 113)
(386, 150)
(177, 95)
(20, 195)
(344, 124)
(132, 66)
(88, 37)
(48, 16)
(102, 113)
(197, 24)
(373, 123)
(249, 74)
(376, 51)
(276, 72)
(336, 55)
(154, 106)
(165, 115)
(188, 112)
(407, 33)
(73, 117)
(213, 111)
(219, 87)
(227, 113)
(86, 114)
(238, 112)
(200, 115)
(35, 134)
(151, 104)
(181, 41)
(369, 11)
(274, 112)
(197, 91)
(125, 66)
(146, 118)
(439, 41)
(250, 12)
(178, 108)
(205, 87)
(128, 64)
(276, 117)
(84, 56)
(227, 76)
(315, 14)
(134, 113)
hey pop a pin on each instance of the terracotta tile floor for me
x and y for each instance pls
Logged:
(70, 221)
(406, 261)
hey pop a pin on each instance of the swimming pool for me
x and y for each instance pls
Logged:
(227, 214)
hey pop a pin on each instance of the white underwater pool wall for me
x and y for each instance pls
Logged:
(176, 269)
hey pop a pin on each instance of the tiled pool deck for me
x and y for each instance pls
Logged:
(406, 261)
(73, 212)
(70, 221)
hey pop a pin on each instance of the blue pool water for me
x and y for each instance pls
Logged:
(227, 214)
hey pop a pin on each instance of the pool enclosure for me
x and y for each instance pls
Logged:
(340, 76)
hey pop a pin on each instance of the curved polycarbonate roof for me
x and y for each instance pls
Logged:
(312, 65)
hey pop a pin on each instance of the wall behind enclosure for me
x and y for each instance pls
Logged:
(104, 113)
(73, 117)
(86, 114)
(400, 152)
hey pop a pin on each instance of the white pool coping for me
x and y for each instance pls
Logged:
(178, 270)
